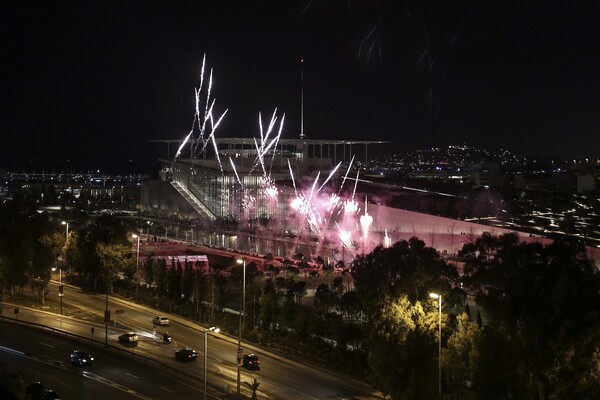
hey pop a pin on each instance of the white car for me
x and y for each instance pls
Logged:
(160, 321)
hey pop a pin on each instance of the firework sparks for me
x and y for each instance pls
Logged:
(292, 175)
(235, 171)
(365, 222)
(345, 238)
(387, 240)
(350, 207)
(269, 189)
(346, 174)
(316, 207)
(330, 175)
(204, 122)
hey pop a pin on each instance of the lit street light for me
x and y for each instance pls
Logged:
(67, 224)
(137, 267)
(211, 329)
(60, 288)
(439, 299)
(67, 231)
(242, 311)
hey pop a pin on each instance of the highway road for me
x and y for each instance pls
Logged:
(279, 378)
(41, 356)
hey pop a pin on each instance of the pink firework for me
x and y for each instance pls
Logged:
(269, 189)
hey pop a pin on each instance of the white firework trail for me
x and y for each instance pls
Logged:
(187, 138)
(312, 189)
(277, 140)
(202, 120)
(301, 204)
(365, 222)
(269, 189)
(387, 240)
(265, 144)
(259, 157)
(330, 175)
(214, 142)
(333, 202)
(355, 183)
(346, 175)
(350, 207)
(292, 175)
(345, 237)
(236, 173)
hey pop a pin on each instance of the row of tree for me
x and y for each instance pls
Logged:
(30, 246)
(539, 337)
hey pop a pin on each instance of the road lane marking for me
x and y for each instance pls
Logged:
(115, 385)
(9, 350)
(132, 375)
(168, 390)
(48, 345)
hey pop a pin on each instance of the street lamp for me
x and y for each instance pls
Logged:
(61, 292)
(211, 329)
(66, 232)
(242, 311)
(137, 266)
(439, 299)
(67, 224)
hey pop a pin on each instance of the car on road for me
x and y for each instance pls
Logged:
(129, 337)
(81, 358)
(160, 320)
(251, 361)
(50, 395)
(37, 391)
(186, 354)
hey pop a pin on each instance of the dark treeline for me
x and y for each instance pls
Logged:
(520, 320)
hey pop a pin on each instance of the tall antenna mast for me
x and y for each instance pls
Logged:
(301, 99)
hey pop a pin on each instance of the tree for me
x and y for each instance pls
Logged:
(460, 357)
(541, 308)
(254, 388)
(337, 289)
(106, 230)
(187, 281)
(149, 270)
(322, 299)
(45, 253)
(408, 267)
(17, 255)
(269, 305)
(403, 350)
(159, 271)
(114, 259)
(350, 304)
(214, 293)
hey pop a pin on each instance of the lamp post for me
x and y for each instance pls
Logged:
(211, 329)
(60, 288)
(242, 311)
(439, 299)
(67, 224)
(137, 267)
(66, 232)
(106, 314)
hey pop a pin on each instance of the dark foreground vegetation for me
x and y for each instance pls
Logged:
(520, 321)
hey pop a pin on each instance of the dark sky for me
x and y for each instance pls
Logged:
(93, 82)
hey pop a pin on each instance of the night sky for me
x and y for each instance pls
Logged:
(86, 85)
